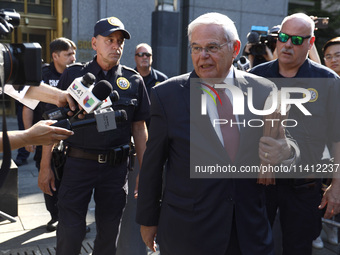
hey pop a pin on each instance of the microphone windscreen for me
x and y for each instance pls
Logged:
(88, 79)
(114, 96)
(243, 60)
(102, 90)
(253, 37)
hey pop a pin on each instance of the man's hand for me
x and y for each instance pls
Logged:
(269, 56)
(43, 134)
(64, 98)
(46, 180)
(331, 198)
(135, 192)
(149, 234)
(274, 151)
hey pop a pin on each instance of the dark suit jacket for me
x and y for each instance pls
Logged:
(194, 215)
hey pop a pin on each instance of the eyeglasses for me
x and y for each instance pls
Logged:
(142, 54)
(212, 48)
(296, 39)
(330, 57)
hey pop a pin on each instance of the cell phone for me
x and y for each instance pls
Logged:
(321, 23)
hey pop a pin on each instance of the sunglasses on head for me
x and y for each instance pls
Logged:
(296, 39)
(141, 54)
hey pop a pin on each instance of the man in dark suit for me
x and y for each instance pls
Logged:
(203, 215)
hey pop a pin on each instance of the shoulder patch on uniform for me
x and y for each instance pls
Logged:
(123, 83)
(314, 95)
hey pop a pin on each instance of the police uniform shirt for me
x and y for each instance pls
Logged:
(133, 99)
(312, 132)
(153, 79)
(50, 75)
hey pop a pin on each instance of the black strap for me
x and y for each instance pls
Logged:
(7, 156)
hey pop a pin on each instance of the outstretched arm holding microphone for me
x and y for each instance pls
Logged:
(48, 94)
(41, 133)
(44, 93)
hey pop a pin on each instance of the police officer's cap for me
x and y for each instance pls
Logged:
(105, 27)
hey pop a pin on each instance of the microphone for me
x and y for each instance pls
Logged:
(86, 80)
(243, 64)
(89, 99)
(114, 97)
(105, 119)
(92, 97)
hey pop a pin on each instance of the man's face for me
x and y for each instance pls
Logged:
(332, 58)
(208, 64)
(143, 57)
(64, 58)
(293, 56)
(109, 48)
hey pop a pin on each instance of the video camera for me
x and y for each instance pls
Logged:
(20, 64)
(260, 37)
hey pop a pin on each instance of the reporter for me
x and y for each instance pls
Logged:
(269, 46)
(39, 134)
(31, 95)
(48, 94)
(331, 52)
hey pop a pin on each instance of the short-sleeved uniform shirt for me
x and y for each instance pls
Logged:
(311, 132)
(153, 79)
(133, 99)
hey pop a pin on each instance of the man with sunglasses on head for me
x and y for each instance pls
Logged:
(298, 199)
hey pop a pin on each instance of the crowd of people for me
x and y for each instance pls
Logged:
(183, 213)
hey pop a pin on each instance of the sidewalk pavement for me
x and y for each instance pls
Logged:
(28, 234)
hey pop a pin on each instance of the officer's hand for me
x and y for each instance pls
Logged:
(46, 180)
(331, 198)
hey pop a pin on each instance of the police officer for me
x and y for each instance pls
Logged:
(63, 53)
(151, 76)
(143, 59)
(98, 161)
(298, 199)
